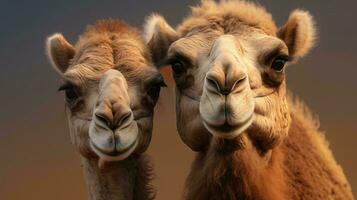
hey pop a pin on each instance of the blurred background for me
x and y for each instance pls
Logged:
(37, 160)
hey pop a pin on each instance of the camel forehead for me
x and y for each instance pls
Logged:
(226, 44)
(228, 17)
(108, 45)
(205, 45)
(112, 50)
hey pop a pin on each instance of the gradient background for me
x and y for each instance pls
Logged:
(37, 160)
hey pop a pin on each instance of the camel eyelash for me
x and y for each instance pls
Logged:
(171, 60)
(283, 57)
(64, 86)
(177, 58)
(276, 53)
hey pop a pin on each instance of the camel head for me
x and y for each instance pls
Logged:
(228, 61)
(111, 88)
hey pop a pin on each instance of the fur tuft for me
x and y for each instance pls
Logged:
(244, 12)
(144, 189)
(153, 24)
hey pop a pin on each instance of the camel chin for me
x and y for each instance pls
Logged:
(117, 156)
(230, 126)
(227, 131)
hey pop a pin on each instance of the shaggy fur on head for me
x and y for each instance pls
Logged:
(299, 33)
(114, 43)
(108, 43)
(234, 13)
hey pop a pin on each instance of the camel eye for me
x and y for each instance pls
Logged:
(278, 63)
(177, 67)
(70, 93)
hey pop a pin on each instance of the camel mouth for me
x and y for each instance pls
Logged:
(115, 155)
(229, 131)
(114, 145)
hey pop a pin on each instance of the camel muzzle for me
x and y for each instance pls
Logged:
(113, 132)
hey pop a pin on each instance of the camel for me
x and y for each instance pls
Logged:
(111, 87)
(254, 141)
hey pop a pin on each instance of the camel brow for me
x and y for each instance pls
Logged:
(80, 80)
(277, 50)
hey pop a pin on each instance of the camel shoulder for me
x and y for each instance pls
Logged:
(309, 160)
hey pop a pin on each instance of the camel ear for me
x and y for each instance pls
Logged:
(59, 52)
(158, 35)
(298, 33)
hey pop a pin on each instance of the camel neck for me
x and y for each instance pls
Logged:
(236, 170)
(117, 180)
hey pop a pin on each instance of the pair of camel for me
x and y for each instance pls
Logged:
(253, 141)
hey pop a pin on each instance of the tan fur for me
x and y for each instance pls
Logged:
(238, 13)
(282, 154)
(104, 46)
(231, 174)
(309, 161)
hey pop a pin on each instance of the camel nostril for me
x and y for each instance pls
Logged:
(212, 83)
(103, 119)
(228, 84)
(238, 83)
(124, 118)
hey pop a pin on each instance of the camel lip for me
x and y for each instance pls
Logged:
(115, 155)
(224, 127)
(228, 131)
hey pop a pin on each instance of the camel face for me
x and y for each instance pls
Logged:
(111, 89)
(228, 61)
(230, 83)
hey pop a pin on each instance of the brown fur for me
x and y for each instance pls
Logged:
(113, 44)
(311, 170)
(144, 190)
(236, 171)
(228, 14)
(134, 171)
